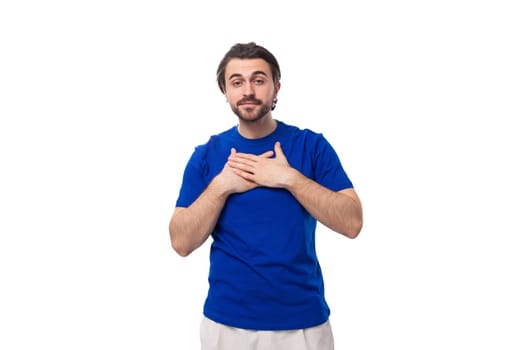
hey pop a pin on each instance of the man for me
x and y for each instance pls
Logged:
(259, 189)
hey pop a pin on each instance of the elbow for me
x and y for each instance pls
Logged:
(180, 249)
(178, 244)
(352, 218)
(352, 233)
(355, 223)
(183, 253)
(354, 229)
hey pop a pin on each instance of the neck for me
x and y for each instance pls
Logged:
(257, 129)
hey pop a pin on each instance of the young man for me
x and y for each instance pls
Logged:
(259, 189)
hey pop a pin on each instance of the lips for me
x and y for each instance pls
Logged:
(249, 102)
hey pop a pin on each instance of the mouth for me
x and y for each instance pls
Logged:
(249, 103)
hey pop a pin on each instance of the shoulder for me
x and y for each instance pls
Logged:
(214, 141)
(306, 136)
(296, 131)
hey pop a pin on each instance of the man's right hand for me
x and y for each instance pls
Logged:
(229, 182)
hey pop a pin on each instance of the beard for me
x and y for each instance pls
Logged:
(252, 114)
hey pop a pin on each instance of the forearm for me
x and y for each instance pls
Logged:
(340, 211)
(190, 227)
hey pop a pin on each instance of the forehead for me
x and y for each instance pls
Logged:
(247, 67)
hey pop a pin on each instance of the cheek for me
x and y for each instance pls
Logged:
(231, 97)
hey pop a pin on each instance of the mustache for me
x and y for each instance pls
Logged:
(249, 100)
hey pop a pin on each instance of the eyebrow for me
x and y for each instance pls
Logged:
(257, 72)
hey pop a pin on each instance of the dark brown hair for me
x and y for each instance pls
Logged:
(247, 51)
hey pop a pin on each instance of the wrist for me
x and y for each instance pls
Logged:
(218, 189)
(292, 179)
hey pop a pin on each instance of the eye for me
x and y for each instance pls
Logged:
(236, 83)
(259, 81)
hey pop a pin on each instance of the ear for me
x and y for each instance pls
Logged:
(276, 89)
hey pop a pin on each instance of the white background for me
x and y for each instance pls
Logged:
(102, 102)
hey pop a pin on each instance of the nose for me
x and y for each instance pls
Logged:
(248, 90)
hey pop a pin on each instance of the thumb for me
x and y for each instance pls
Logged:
(232, 153)
(278, 150)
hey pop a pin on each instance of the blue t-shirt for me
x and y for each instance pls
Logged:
(264, 272)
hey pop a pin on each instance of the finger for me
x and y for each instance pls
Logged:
(237, 156)
(278, 150)
(267, 154)
(241, 167)
(244, 174)
(241, 157)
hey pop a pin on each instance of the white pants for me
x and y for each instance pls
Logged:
(216, 336)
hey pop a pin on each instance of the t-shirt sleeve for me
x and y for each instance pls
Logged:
(329, 171)
(193, 183)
